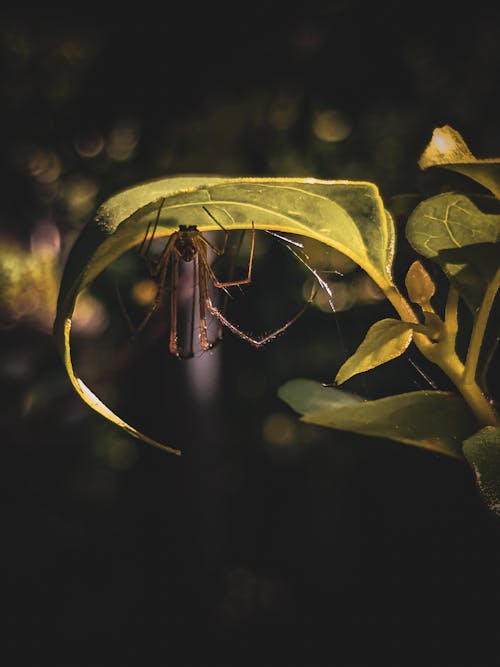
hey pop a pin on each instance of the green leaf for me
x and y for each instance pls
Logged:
(305, 396)
(419, 285)
(435, 420)
(471, 270)
(448, 149)
(348, 216)
(385, 340)
(462, 234)
(482, 451)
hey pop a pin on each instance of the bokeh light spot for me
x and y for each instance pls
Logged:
(43, 165)
(330, 125)
(280, 429)
(45, 241)
(123, 140)
(144, 292)
(90, 316)
(89, 144)
(79, 193)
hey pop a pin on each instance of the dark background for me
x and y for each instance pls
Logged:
(268, 542)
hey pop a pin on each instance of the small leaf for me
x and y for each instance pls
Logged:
(434, 420)
(448, 149)
(385, 340)
(462, 234)
(482, 451)
(419, 284)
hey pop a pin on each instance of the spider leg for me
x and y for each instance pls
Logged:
(155, 268)
(159, 293)
(123, 308)
(228, 283)
(259, 342)
(221, 251)
(145, 246)
(173, 345)
(203, 295)
(218, 251)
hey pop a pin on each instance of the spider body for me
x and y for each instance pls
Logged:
(184, 243)
(190, 246)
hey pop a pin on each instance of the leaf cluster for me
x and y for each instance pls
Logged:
(458, 233)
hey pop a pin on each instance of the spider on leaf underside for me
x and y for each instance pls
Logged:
(189, 246)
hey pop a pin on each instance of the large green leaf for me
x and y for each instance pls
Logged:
(448, 149)
(348, 216)
(385, 340)
(434, 420)
(462, 234)
(482, 451)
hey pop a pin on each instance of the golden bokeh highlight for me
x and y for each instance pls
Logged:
(280, 429)
(43, 165)
(30, 280)
(330, 125)
(122, 140)
(79, 193)
(284, 110)
(90, 317)
(144, 292)
(89, 145)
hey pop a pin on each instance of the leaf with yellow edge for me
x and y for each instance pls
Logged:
(435, 420)
(448, 149)
(385, 340)
(348, 216)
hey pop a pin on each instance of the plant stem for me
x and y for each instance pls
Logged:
(443, 355)
(479, 328)
(451, 318)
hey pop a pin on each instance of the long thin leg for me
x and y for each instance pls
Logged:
(229, 283)
(123, 309)
(156, 267)
(173, 346)
(192, 325)
(221, 251)
(218, 251)
(144, 249)
(204, 298)
(159, 293)
(227, 293)
(258, 342)
(157, 270)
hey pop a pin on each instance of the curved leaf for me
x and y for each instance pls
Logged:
(448, 149)
(348, 216)
(385, 340)
(482, 451)
(434, 420)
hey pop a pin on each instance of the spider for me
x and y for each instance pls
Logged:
(189, 245)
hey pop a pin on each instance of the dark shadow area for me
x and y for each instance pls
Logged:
(268, 542)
